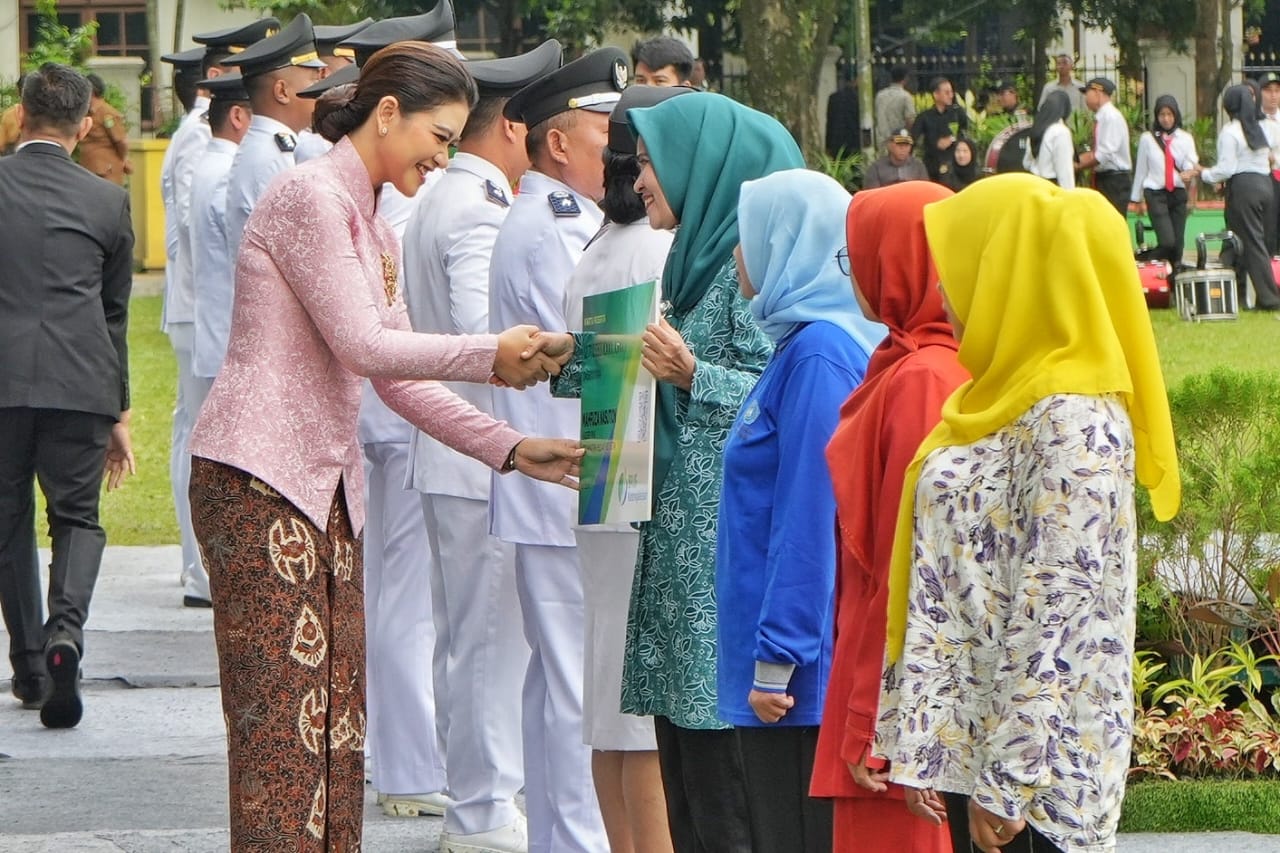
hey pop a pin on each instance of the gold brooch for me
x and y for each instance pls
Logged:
(389, 277)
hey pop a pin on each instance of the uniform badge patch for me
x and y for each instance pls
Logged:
(563, 203)
(286, 141)
(494, 193)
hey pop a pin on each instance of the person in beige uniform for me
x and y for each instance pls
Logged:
(105, 149)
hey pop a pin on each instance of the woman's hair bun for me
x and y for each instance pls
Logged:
(335, 115)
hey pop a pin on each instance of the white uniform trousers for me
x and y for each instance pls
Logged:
(400, 636)
(560, 798)
(182, 336)
(481, 657)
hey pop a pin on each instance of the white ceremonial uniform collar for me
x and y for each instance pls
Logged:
(269, 126)
(219, 145)
(476, 165)
(535, 183)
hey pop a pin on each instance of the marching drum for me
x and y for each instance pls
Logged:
(1006, 149)
(1209, 292)
(1207, 295)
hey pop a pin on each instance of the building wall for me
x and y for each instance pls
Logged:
(201, 15)
(9, 40)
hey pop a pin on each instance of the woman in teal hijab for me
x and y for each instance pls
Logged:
(706, 352)
(695, 153)
(776, 555)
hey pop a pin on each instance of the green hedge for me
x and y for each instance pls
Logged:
(1252, 806)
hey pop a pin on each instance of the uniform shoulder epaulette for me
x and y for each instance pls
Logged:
(494, 193)
(563, 203)
(286, 141)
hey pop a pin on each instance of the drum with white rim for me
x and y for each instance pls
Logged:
(1207, 295)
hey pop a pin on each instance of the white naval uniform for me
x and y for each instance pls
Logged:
(533, 259)
(265, 151)
(212, 267)
(400, 696)
(180, 163)
(310, 146)
(481, 654)
(619, 256)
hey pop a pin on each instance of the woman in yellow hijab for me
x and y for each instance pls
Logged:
(1011, 614)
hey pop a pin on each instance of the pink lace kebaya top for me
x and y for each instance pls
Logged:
(318, 305)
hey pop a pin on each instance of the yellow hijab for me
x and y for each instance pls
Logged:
(1044, 283)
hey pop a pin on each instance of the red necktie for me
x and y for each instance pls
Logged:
(1168, 164)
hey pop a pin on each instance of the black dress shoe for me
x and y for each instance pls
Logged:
(195, 601)
(62, 708)
(30, 690)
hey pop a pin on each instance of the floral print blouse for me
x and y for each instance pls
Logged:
(669, 668)
(1014, 682)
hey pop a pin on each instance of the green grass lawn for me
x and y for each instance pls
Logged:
(141, 513)
(1197, 806)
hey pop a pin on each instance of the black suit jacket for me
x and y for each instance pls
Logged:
(66, 270)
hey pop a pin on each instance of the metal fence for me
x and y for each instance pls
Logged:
(975, 73)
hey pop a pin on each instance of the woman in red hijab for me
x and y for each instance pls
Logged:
(881, 425)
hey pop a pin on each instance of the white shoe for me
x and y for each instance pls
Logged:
(512, 838)
(414, 805)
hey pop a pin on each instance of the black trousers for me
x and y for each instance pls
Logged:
(1273, 223)
(1248, 209)
(1115, 186)
(778, 761)
(1168, 212)
(706, 789)
(65, 451)
(1027, 841)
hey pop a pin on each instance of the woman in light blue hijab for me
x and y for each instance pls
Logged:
(775, 556)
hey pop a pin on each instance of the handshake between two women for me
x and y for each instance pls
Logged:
(527, 356)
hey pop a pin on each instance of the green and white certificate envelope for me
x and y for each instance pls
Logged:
(618, 397)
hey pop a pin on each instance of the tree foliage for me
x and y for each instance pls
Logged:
(56, 42)
(785, 44)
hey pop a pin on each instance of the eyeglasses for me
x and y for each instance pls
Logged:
(842, 261)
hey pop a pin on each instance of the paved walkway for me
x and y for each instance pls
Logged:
(145, 771)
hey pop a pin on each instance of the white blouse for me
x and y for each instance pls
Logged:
(1056, 160)
(1149, 169)
(1235, 157)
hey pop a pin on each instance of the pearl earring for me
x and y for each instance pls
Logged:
(382, 131)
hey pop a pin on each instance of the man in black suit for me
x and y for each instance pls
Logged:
(64, 383)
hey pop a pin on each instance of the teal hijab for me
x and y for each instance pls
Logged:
(704, 147)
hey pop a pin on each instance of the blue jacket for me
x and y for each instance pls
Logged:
(775, 557)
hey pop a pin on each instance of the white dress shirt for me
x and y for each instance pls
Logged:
(534, 256)
(1148, 171)
(181, 160)
(1235, 157)
(1111, 140)
(447, 247)
(212, 270)
(1056, 160)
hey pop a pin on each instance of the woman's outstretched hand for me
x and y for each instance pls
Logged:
(555, 460)
(521, 360)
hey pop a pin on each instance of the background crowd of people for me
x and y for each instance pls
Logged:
(885, 600)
